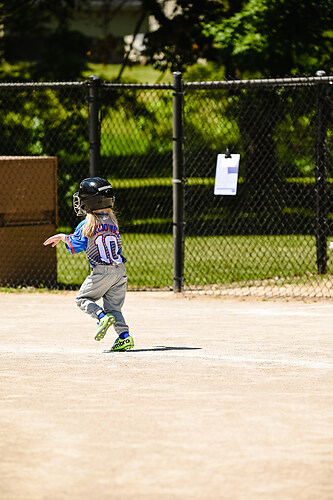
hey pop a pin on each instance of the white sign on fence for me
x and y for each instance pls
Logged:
(226, 176)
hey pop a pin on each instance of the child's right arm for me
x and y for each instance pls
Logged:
(75, 243)
(55, 239)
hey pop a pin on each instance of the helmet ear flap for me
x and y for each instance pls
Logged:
(107, 193)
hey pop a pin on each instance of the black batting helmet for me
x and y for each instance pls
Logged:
(94, 193)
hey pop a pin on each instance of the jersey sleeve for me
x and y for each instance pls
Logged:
(76, 242)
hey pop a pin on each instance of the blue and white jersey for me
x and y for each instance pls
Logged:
(104, 248)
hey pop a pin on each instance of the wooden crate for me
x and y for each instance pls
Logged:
(24, 258)
(28, 215)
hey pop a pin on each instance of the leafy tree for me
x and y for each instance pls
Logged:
(180, 39)
(61, 52)
(275, 37)
(178, 42)
(270, 38)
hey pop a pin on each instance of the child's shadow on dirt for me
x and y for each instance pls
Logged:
(161, 348)
(165, 348)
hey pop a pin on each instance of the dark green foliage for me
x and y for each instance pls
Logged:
(38, 31)
(275, 38)
(180, 39)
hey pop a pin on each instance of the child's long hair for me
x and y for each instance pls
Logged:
(92, 221)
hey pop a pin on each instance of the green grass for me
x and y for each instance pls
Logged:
(71, 269)
(208, 260)
(193, 181)
(160, 181)
(150, 262)
(106, 72)
(229, 259)
(136, 73)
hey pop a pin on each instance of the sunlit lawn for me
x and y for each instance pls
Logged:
(137, 73)
(215, 259)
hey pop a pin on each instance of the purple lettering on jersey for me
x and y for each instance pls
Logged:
(106, 228)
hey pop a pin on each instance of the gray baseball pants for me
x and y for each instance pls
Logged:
(109, 283)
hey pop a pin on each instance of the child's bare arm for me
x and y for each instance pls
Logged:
(55, 239)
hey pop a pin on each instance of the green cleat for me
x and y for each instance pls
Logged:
(103, 326)
(123, 344)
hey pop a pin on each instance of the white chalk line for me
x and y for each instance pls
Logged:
(168, 352)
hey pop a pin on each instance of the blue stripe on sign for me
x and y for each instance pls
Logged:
(232, 170)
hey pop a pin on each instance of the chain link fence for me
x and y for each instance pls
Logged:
(158, 146)
(272, 238)
(136, 153)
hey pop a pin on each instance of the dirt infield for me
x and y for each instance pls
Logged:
(220, 399)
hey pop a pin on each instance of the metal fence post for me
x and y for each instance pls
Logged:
(178, 185)
(94, 130)
(321, 179)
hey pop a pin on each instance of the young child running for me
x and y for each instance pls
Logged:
(98, 235)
